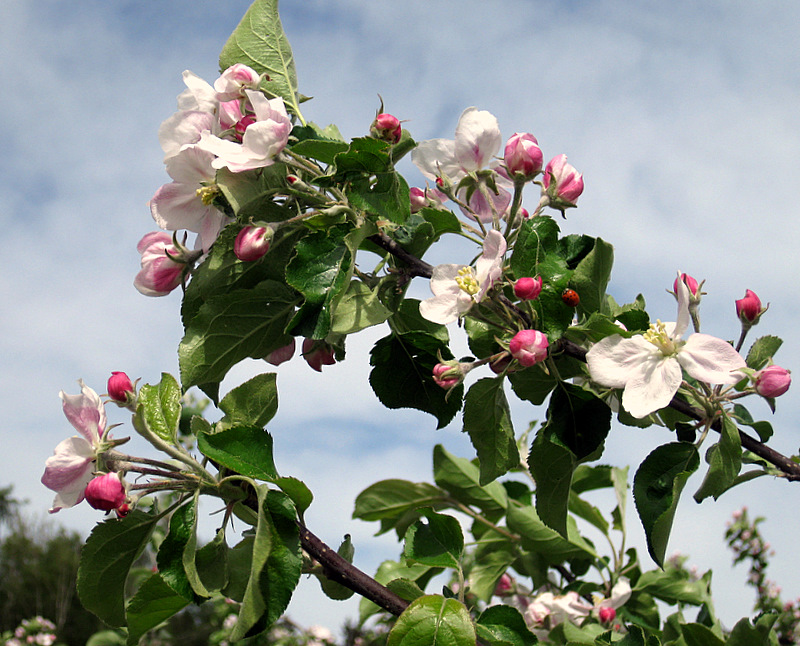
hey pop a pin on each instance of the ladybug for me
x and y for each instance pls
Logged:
(570, 297)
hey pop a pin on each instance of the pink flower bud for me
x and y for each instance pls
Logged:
(106, 492)
(277, 357)
(749, 309)
(606, 615)
(772, 381)
(446, 377)
(528, 289)
(562, 183)
(252, 242)
(690, 282)
(318, 354)
(505, 586)
(233, 81)
(161, 271)
(386, 127)
(523, 156)
(424, 197)
(120, 388)
(529, 347)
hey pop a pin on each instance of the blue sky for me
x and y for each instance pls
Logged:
(682, 117)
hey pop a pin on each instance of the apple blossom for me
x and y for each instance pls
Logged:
(690, 282)
(160, 273)
(252, 242)
(262, 140)
(562, 183)
(425, 197)
(386, 127)
(318, 354)
(772, 381)
(748, 309)
(457, 287)
(120, 389)
(529, 347)
(522, 155)
(106, 492)
(528, 289)
(649, 366)
(70, 468)
(234, 80)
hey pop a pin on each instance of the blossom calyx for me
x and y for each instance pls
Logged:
(562, 183)
(522, 156)
(386, 127)
(449, 373)
(529, 347)
(252, 242)
(772, 381)
(106, 492)
(749, 309)
(528, 289)
(121, 390)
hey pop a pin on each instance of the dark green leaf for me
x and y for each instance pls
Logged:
(436, 541)
(537, 237)
(296, 490)
(170, 559)
(724, 462)
(331, 588)
(538, 537)
(491, 559)
(591, 277)
(402, 375)
(434, 621)
(746, 634)
(408, 319)
(384, 195)
(700, 635)
(504, 623)
(487, 420)
(389, 571)
(764, 429)
(673, 586)
(244, 449)
(359, 308)
(551, 466)
(154, 602)
(392, 498)
(106, 558)
(657, 487)
(461, 479)
(211, 563)
(365, 156)
(315, 145)
(251, 194)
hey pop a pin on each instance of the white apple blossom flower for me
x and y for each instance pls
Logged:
(649, 367)
(71, 467)
(476, 143)
(456, 287)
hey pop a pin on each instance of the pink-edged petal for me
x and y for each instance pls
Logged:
(191, 166)
(183, 128)
(477, 139)
(682, 324)
(436, 157)
(652, 385)
(612, 360)
(489, 267)
(69, 463)
(85, 412)
(709, 359)
(481, 209)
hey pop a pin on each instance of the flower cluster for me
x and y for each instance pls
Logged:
(37, 630)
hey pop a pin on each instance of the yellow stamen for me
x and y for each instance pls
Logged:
(657, 335)
(208, 194)
(467, 281)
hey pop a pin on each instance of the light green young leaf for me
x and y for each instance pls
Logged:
(259, 42)
(253, 403)
(436, 541)
(158, 408)
(461, 478)
(724, 462)
(390, 498)
(244, 449)
(434, 621)
(359, 308)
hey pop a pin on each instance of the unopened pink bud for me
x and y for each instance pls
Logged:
(562, 183)
(445, 376)
(120, 388)
(606, 615)
(161, 271)
(105, 492)
(277, 357)
(387, 128)
(529, 347)
(690, 282)
(252, 242)
(318, 354)
(772, 381)
(523, 156)
(232, 82)
(527, 288)
(749, 309)
(505, 586)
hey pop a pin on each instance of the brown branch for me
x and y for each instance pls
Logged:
(416, 266)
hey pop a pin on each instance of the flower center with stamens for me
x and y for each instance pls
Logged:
(657, 335)
(467, 281)
(207, 194)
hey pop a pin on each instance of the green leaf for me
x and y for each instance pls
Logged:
(389, 571)
(491, 559)
(332, 589)
(259, 42)
(504, 624)
(365, 156)
(725, 461)
(158, 408)
(244, 449)
(762, 350)
(155, 601)
(402, 375)
(551, 466)
(171, 552)
(211, 565)
(106, 558)
(436, 541)
(487, 420)
(393, 498)
(408, 319)
(296, 490)
(359, 308)
(538, 537)
(320, 271)
(251, 194)
(253, 403)
(461, 479)
(700, 635)
(657, 487)
(591, 277)
(384, 195)
(231, 327)
(537, 237)
(434, 621)
(764, 429)
(276, 564)
(314, 144)
(673, 586)
(746, 634)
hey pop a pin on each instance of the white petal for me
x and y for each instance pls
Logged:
(682, 324)
(477, 140)
(183, 128)
(711, 360)
(612, 360)
(652, 385)
(443, 279)
(436, 157)
(489, 267)
(446, 308)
